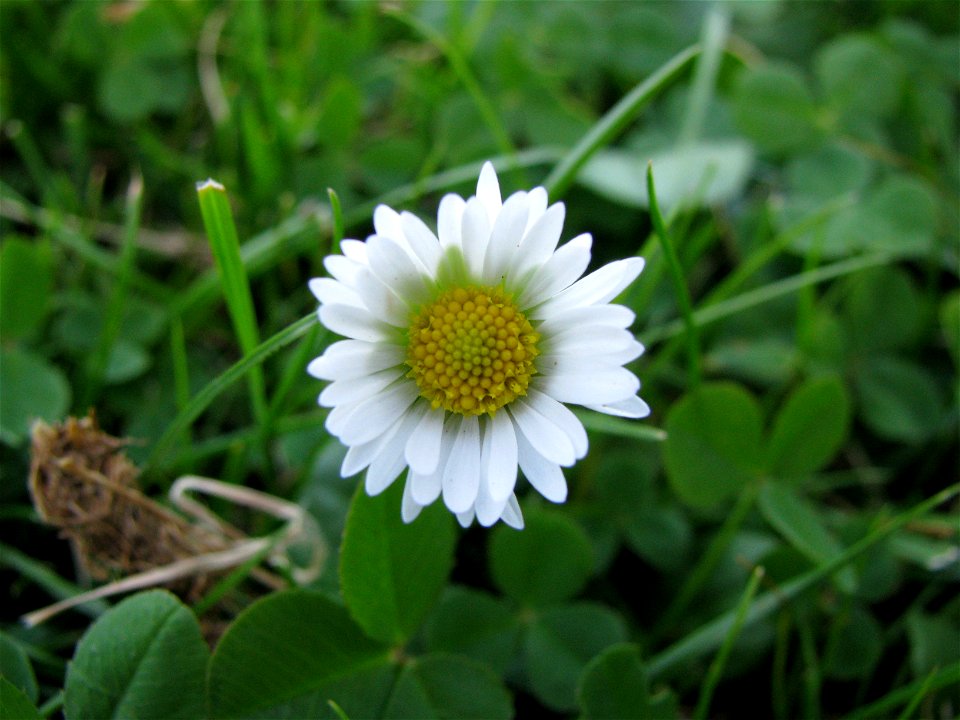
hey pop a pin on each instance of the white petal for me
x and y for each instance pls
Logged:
(512, 515)
(381, 301)
(423, 449)
(488, 191)
(337, 417)
(449, 220)
(357, 389)
(505, 238)
(394, 266)
(596, 387)
(540, 242)
(499, 462)
(488, 510)
(352, 358)
(342, 268)
(475, 234)
(409, 509)
(538, 205)
(560, 271)
(354, 322)
(424, 243)
(355, 250)
(328, 290)
(359, 456)
(592, 340)
(562, 417)
(631, 407)
(390, 462)
(600, 286)
(427, 487)
(616, 316)
(386, 221)
(376, 414)
(461, 476)
(465, 518)
(547, 438)
(545, 476)
(622, 356)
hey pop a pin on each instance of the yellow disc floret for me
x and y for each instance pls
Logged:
(471, 351)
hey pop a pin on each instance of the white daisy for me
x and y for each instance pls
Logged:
(464, 346)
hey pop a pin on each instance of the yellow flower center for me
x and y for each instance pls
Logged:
(471, 351)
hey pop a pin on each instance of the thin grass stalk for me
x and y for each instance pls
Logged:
(680, 285)
(616, 121)
(720, 661)
(710, 635)
(213, 389)
(116, 306)
(225, 245)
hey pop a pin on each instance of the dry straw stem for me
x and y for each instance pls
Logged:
(83, 483)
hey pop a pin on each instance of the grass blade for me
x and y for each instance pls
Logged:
(212, 390)
(680, 285)
(716, 667)
(615, 121)
(709, 636)
(222, 233)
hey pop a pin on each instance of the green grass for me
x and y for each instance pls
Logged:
(788, 511)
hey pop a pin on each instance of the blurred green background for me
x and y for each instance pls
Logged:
(806, 161)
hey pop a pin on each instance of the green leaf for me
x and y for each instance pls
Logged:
(445, 686)
(829, 172)
(475, 624)
(899, 400)
(774, 107)
(550, 561)
(340, 121)
(32, 389)
(705, 173)
(860, 77)
(713, 443)
(391, 573)
(559, 644)
(15, 666)
(933, 642)
(145, 658)
(854, 646)
(797, 520)
(882, 310)
(910, 211)
(661, 535)
(810, 428)
(614, 685)
(279, 654)
(26, 279)
(14, 704)
(950, 324)
(127, 361)
(766, 360)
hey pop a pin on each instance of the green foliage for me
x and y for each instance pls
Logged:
(287, 653)
(614, 684)
(713, 446)
(801, 357)
(144, 658)
(390, 572)
(546, 563)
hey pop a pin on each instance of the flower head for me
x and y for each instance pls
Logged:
(464, 346)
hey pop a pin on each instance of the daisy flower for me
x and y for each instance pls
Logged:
(464, 346)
